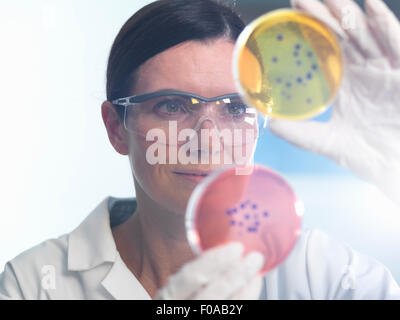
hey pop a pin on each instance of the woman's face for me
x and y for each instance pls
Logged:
(200, 68)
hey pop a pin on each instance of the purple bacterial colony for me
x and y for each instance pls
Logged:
(246, 215)
(300, 79)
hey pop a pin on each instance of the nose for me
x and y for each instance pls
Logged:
(208, 139)
(205, 122)
(208, 134)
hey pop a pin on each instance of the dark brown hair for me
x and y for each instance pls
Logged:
(160, 26)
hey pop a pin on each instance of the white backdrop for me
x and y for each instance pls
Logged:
(57, 163)
(56, 160)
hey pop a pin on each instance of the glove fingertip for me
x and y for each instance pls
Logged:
(235, 248)
(294, 3)
(376, 7)
(280, 127)
(303, 134)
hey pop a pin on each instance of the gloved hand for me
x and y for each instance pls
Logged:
(363, 133)
(218, 274)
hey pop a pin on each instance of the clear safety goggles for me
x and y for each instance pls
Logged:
(180, 116)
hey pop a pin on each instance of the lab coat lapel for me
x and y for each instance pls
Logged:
(92, 243)
(122, 284)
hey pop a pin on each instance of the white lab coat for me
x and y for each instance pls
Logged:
(85, 264)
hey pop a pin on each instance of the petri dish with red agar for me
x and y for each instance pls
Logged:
(258, 209)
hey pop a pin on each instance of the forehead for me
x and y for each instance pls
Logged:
(197, 67)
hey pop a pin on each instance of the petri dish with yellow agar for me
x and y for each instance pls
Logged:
(288, 65)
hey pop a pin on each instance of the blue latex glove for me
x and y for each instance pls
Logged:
(363, 134)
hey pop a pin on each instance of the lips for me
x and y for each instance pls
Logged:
(194, 176)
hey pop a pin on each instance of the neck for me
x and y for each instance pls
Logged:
(155, 242)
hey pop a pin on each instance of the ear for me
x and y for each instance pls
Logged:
(115, 128)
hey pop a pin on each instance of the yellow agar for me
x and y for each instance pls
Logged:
(289, 65)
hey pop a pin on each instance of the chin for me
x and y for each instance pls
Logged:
(171, 192)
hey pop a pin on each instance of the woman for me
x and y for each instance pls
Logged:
(175, 55)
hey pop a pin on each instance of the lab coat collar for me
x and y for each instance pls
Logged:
(92, 244)
(121, 283)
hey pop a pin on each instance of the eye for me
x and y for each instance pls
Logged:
(170, 107)
(236, 109)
